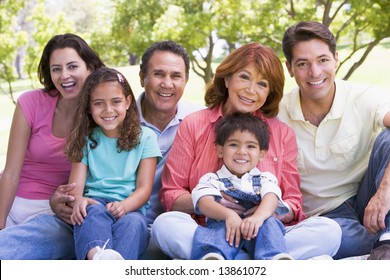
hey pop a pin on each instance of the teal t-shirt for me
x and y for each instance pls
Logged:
(111, 174)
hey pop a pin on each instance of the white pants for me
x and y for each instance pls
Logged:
(173, 232)
(24, 209)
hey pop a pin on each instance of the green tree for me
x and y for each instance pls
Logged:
(132, 26)
(11, 38)
(44, 27)
(358, 24)
(185, 22)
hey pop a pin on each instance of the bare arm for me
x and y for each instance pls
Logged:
(78, 175)
(17, 146)
(378, 206)
(141, 195)
(184, 204)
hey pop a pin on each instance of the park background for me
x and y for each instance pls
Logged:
(120, 30)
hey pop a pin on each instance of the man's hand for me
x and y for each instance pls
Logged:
(62, 203)
(376, 211)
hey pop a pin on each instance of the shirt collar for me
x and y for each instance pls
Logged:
(225, 173)
(217, 113)
(180, 113)
(336, 111)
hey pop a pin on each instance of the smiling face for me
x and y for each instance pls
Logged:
(241, 152)
(314, 68)
(108, 107)
(68, 72)
(248, 91)
(164, 82)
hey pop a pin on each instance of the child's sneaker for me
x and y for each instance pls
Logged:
(282, 256)
(212, 256)
(107, 254)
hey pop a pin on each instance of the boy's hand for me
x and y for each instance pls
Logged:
(250, 227)
(233, 233)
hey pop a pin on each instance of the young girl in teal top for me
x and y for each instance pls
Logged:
(113, 164)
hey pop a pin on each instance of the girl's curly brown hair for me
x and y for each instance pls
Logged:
(83, 125)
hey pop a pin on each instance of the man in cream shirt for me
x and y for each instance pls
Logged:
(336, 124)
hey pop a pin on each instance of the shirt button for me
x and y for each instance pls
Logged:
(275, 159)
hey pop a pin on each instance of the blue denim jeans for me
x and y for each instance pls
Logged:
(128, 235)
(212, 238)
(355, 238)
(44, 237)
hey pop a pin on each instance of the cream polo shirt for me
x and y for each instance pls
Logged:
(333, 157)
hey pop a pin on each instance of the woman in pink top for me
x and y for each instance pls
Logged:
(249, 80)
(36, 164)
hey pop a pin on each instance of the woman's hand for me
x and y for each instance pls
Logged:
(231, 203)
(285, 218)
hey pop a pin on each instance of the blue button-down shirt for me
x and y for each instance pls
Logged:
(165, 140)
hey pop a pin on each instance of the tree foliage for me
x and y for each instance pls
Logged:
(121, 30)
(44, 27)
(199, 25)
(11, 38)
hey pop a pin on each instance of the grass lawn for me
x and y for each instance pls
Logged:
(374, 71)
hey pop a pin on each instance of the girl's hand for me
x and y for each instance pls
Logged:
(233, 233)
(116, 208)
(250, 227)
(79, 210)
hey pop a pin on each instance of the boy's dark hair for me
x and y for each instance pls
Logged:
(226, 126)
(169, 46)
(305, 31)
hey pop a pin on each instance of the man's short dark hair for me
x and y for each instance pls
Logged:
(169, 46)
(305, 31)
